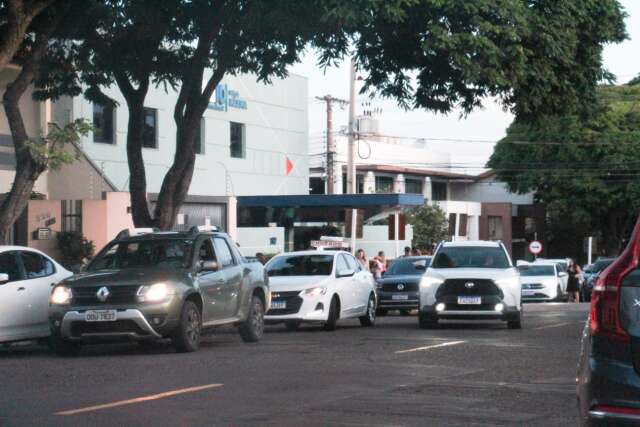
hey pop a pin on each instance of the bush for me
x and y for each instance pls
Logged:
(74, 248)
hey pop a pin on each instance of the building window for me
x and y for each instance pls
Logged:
(495, 228)
(316, 185)
(72, 215)
(359, 184)
(462, 228)
(413, 186)
(452, 224)
(438, 191)
(103, 123)
(200, 138)
(384, 184)
(237, 141)
(150, 130)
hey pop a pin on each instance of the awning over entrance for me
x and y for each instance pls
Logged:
(353, 201)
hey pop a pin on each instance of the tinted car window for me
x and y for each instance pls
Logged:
(470, 257)
(169, 253)
(600, 265)
(9, 265)
(301, 265)
(537, 270)
(408, 266)
(35, 265)
(223, 253)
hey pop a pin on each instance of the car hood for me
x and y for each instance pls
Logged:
(472, 273)
(537, 279)
(400, 278)
(129, 276)
(295, 283)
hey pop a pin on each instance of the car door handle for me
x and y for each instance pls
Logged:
(21, 288)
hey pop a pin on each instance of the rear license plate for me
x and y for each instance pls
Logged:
(400, 297)
(469, 300)
(101, 315)
(278, 305)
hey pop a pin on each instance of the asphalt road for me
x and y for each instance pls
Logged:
(393, 374)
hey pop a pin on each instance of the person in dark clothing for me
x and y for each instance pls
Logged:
(573, 286)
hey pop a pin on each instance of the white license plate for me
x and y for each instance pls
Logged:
(400, 297)
(278, 305)
(101, 315)
(469, 300)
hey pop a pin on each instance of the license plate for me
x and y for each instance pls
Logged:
(278, 305)
(101, 315)
(469, 300)
(527, 293)
(399, 297)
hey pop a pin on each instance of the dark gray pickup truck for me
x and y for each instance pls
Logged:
(149, 285)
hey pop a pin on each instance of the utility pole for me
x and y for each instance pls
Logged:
(351, 168)
(331, 145)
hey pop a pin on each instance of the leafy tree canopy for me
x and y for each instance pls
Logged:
(584, 170)
(430, 226)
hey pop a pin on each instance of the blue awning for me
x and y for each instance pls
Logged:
(353, 201)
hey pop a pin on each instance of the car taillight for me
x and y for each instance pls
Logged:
(605, 300)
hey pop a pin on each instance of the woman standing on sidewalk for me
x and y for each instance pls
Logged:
(573, 286)
(362, 259)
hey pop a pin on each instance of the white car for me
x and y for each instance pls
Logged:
(27, 277)
(319, 287)
(562, 265)
(543, 282)
(471, 280)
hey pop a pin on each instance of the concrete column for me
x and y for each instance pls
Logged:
(337, 177)
(426, 189)
(398, 184)
(232, 218)
(369, 183)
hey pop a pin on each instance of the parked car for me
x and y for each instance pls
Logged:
(609, 364)
(470, 280)
(591, 277)
(319, 287)
(398, 287)
(27, 277)
(542, 282)
(562, 266)
(148, 285)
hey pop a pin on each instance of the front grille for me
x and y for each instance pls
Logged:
(393, 287)
(123, 294)
(458, 287)
(532, 286)
(293, 300)
(118, 326)
(470, 307)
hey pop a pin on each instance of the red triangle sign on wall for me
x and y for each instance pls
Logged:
(289, 165)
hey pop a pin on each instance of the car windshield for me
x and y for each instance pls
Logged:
(408, 266)
(168, 253)
(470, 257)
(301, 265)
(600, 265)
(537, 270)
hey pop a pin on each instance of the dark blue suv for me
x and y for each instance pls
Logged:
(609, 367)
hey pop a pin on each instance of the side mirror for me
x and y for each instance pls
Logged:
(4, 278)
(346, 273)
(208, 266)
(562, 274)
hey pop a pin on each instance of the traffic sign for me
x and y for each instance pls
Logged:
(535, 247)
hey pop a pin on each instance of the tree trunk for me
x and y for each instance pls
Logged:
(137, 174)
(17, 20)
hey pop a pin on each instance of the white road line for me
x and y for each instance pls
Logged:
(138, 399)
(557, 325)
(429, 347)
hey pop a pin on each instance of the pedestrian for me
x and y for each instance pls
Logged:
(381, 258)
(362, 259)
(407, 251)
(573, 286)
(374, 267)
(261, 258)
(416, 252)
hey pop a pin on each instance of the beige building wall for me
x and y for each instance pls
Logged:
(39, 212)
(103, 219)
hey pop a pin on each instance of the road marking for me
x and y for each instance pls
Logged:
(138, 399)
(557, 325)
(429, 347)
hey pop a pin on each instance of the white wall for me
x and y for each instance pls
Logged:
(375, 238)
(488, 191)
(275, 125)
(257, 239)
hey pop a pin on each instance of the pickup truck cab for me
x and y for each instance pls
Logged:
(149, 285)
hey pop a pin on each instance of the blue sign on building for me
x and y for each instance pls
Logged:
(226, 98)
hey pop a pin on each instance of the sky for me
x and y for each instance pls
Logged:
(486, 124)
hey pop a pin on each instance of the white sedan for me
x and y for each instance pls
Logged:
(26, 279)
(542, 282)
(319, 287)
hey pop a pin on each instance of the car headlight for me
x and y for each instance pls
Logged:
(61, 295)
(315, 292)
(154, 293)
(509, 281)
(427, 282)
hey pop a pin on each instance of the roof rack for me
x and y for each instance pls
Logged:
(202, 229)
(129, 232)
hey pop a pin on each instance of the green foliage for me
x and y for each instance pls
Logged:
(584, 170)
(52, 150)
(634, 81)
(430, 225)
(74, 248)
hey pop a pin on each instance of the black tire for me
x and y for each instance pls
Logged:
(62, 347)
(369, 319)
(516, 322)
(427, 321)
(186, 337)
(381, 311)
(251, 330)
(334, 313)
(292, 325)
